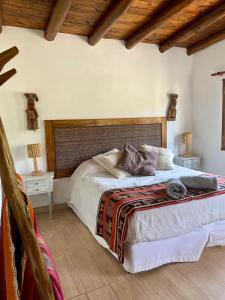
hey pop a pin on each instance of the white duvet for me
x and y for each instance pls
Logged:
(90, 180)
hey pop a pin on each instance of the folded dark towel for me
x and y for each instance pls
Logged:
(175, 189)
(201, 182)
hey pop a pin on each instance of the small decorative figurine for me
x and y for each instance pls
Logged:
(32, 114)
(172, 111)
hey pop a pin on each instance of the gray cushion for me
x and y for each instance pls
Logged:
(150, 158)
(138, 163)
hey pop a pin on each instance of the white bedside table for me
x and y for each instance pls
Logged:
(36, 185)
(192, 162)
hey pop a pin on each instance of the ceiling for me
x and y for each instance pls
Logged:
(84, 15)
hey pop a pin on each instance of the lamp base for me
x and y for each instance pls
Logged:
(37, 173)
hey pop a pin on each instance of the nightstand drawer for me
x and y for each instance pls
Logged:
(196, 166)
(36, 187)
(43, 184)
(188, 162)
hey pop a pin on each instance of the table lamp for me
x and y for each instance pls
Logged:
(187, 140)
(34, 151)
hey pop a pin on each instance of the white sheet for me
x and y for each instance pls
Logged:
(89, 182)
(186, 248)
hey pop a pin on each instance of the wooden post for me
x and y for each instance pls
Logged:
(6, 76)
(106, 22)
(23, 221)
(1, 17)
(215, 38)
(214, 16)
(57, 18)
(7, 55)
(156, 22)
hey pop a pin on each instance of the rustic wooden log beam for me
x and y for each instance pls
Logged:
(16, 201)
(155, 23)
(58, 16)
(1, 21)
(23, 221)
(6, 76)
(108, 19)
(7, 55)
(207, 20)
(219, 36)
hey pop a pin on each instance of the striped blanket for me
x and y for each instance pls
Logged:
(116, 206)
(16, 278)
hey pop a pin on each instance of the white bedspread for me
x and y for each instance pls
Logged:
(89, 181)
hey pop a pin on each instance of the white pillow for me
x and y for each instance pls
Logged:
(165, 156)
(109, 161)
(86, 168)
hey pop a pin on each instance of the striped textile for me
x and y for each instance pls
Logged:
(16, 277)
(12, 256)
(116, 206)
(29, 290)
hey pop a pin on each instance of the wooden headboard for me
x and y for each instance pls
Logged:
(70, 142)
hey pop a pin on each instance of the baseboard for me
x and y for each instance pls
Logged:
(43, 209)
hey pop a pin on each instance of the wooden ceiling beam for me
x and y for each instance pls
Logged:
(7, 55)
(207, 20)
(219, 36)
(155, 23)
(57, 18)
(108, 19)
(1, 13)
(6, 76)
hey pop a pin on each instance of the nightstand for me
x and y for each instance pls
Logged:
(36, 185)
(192, 162)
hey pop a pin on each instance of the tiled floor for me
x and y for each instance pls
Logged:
(89, 272)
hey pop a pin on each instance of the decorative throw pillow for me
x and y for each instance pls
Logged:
(137, 163)
(165, 156)
(109, 162)
(150, 158)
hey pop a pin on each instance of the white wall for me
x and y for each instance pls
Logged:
(75, 80)
(207, 107)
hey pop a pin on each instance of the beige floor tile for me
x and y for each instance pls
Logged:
(155, 285)
(70, 280)
(55, 243)
(81, 297)
(128, 289)
(91, 275)
(109, 266)
(84, 265)
(105, 293)
(183, 287)
(199, 276)
(72, 238)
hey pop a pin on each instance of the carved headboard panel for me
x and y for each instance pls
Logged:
(70, 142)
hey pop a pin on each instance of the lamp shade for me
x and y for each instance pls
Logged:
(34, 150)
(187, 138)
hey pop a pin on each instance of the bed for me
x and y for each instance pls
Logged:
(154, 238)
